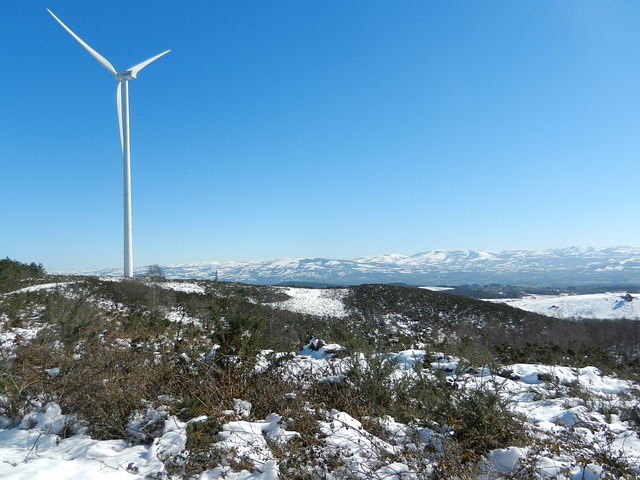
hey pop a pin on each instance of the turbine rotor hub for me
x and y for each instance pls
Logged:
(128, 75)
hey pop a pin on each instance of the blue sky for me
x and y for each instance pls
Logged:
(340, 129)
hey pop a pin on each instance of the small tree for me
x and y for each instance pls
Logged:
(236, 326)
(155, 272)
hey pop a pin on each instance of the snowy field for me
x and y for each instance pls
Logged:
(311, 301)
(605, 306)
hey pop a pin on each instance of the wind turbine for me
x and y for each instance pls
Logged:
(122, 101)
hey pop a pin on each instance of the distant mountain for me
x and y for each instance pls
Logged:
(561, 267)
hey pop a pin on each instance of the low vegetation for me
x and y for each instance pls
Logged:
(108, 351)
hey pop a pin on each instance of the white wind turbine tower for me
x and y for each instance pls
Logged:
(122, 100)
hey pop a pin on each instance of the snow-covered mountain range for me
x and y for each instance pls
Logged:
(561, 267)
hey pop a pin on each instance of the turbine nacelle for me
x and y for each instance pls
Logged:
(128, 75)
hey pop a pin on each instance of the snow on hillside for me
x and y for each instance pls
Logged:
(605, 306)
(43, 286)
(569, 412)
(314, 301)
(187, 287)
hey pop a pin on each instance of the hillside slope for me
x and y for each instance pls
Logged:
(609, 306)
(105, 378)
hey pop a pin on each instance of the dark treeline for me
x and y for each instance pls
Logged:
(12, 271)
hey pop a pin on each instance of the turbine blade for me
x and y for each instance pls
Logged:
(103, 61)
(119, 104)
(136, 68)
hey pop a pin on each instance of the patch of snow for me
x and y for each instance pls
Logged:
(606, 306)
(317, 349)
(43, 286)
(408, 359)
(359, 449)
(248, 440)
(395, 471)
(505, 460)
(242, 407)
(310, 301)
(37, 450)
(438, 289)
(186, 287)
(52, 372)
(178, 315)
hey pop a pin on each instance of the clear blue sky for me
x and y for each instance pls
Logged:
(331, 128)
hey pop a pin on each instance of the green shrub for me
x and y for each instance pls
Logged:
(478, 417)
(237, 326)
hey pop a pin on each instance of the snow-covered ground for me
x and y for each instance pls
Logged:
(41, 287)
(187, 287)
(311, 301)
(41, 447)
(606, 306)
(572, 414)
(36, 449)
